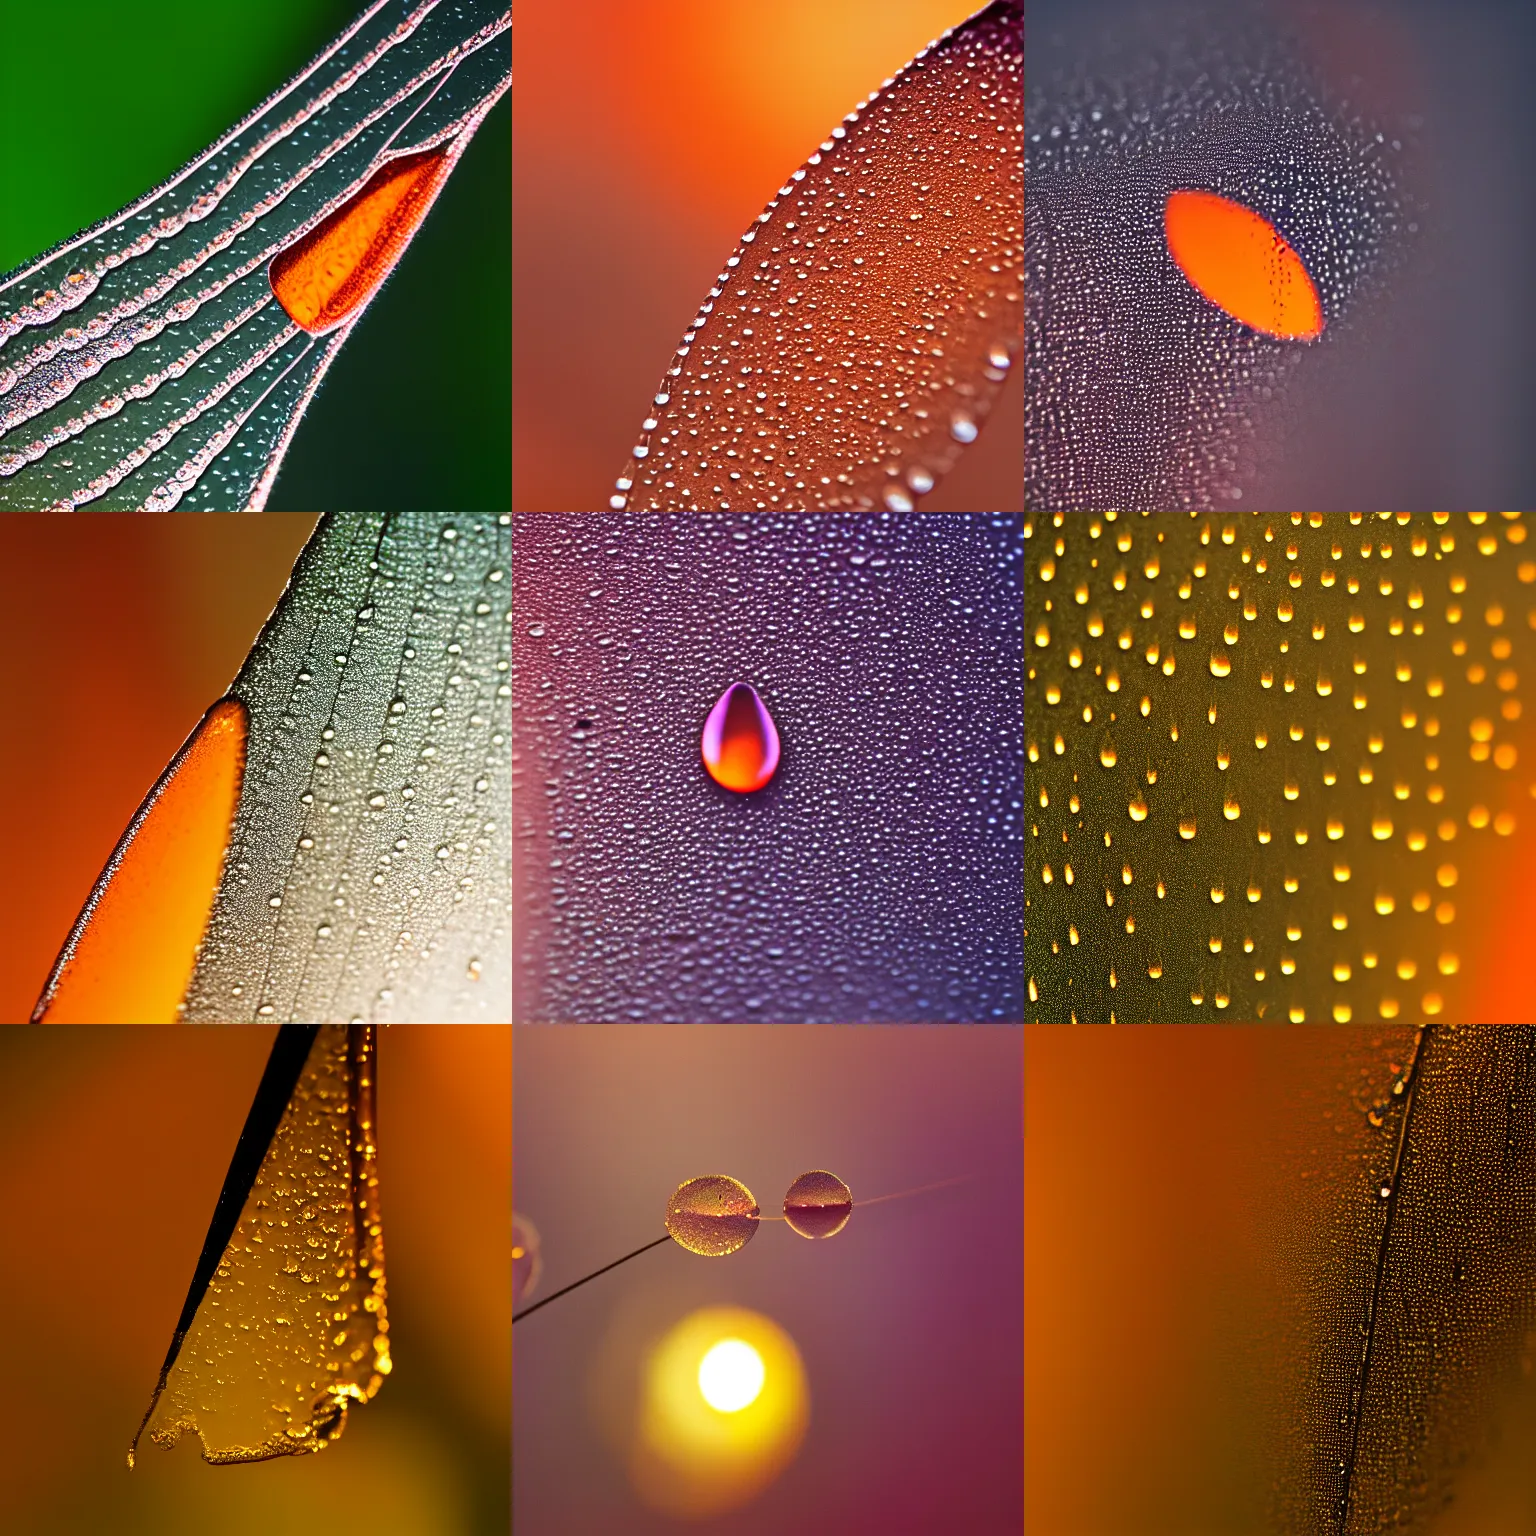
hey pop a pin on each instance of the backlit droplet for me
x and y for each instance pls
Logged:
(818, 1204)
(1231, 809)
(740, 745)
(1240, 262)
(713, 1215)
(1107, 753)
(1186, 827)
(1138, 809)
(326, 276)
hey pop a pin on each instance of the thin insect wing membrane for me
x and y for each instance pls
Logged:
(292, 1325)
(1421, 1289)
(862, 330)
(134, 357)
(368, 876)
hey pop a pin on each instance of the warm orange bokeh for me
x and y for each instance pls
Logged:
(326, 277)
(130, 956)
(1241, 263)
(116, 631)
(645, 141)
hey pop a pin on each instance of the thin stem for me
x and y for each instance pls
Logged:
(921, 1189)
(666, 1237)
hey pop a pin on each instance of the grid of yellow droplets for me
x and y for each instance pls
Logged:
(1255, 744)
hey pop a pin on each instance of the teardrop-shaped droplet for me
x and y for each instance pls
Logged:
(740, 745)
(818, 1204)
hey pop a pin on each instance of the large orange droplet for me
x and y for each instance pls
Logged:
(1242, 264)
(323, 278)
(129, 957)
(740, 745)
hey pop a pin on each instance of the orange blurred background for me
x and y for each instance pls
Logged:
(116, 632)
(113, 1146)
(644, 141)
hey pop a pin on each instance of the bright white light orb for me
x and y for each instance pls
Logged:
(731, 1376)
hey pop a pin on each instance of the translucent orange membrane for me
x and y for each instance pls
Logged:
(325, 277)
(740, 744)
(1240, 262)
(129, 957)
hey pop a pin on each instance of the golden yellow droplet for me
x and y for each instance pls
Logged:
(1138, 809)
(1230, 809)
(1220, 665)
(1386, 903)
(1186, 628)
(1388, 1009)
(1186, 827)
(1342, 1013)
(1155, 970)
(1254, 892)
(1446, 875)
(1107, 753)
(1285, 612)
(1341, 873)
(1230, 633)
(1381, 828)
(1335, 829)
(1407, 969)
(1218, 895)
(1432, 1003)
(1449, 964)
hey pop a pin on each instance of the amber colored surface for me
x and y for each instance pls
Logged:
(130, 955)
(324, 278)
(113, 1146)
(1240, 262)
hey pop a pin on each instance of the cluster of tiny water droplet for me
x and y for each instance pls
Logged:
(1270, 759)
(859, 334)
(876, 876)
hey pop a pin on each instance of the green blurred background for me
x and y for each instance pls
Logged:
(100, 105)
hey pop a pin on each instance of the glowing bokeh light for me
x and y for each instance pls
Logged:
(527, 1259)
(740, 745)
(731, 1376)
(692, 1456)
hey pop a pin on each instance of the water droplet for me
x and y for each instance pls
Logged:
(1138, 809)
(740, 743)
(818, 1204)
(1221, 666)
(1107, 753)
(378, 802)
(713, 1215)
(1186, 827)
(962, 428)
(1231, 809)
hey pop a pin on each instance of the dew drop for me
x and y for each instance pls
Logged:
(712, 1216)
(1107, 753)
(740, 743)
(1186, 827)
(962, 428)
(1138, 809)
(818, 1204)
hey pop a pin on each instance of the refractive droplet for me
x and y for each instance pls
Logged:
(325, 277)
(818, 1204)
(1241, 263)
(713, 1215)
(1138, 809)
(1186, 827)
(1107, 753)
(1221, 665)
(740, 745)
(527, 1257)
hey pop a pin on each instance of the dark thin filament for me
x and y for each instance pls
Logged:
(666, 1237)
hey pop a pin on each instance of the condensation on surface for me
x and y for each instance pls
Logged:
(861, 331)
(1138, 391)
(367, 878)
(712, 1216)
(293, 1327)
(876, 876)
(147, 365)
(1278, 766)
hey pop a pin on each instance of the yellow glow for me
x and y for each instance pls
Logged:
(731, 1376)
(692, 1454)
